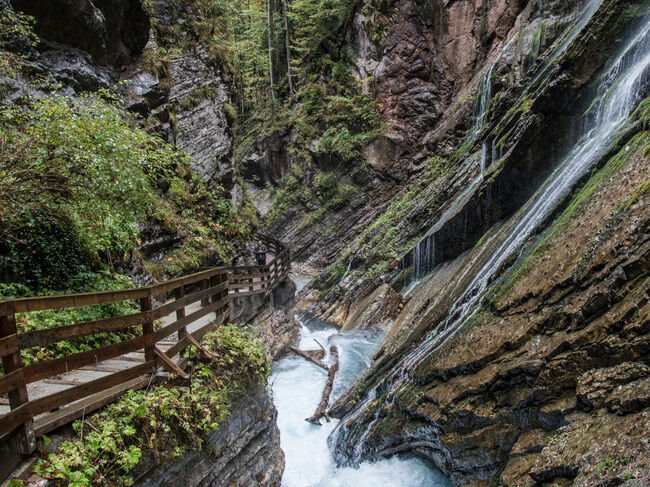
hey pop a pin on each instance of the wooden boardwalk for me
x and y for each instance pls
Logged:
(39, 398)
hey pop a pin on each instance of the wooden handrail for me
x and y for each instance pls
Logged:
(217, 286)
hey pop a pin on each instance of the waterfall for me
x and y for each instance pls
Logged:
(625, 82)
(417, 256)
(621, 87)
(483, 98)
(349, 266)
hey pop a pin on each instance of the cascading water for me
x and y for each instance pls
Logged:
(625, 82)
(421, 257)
(567, 38)
(622, 86)
(297, 386)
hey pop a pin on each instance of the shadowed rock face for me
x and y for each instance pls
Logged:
(202, 128)
(245, 450)
(112, 31)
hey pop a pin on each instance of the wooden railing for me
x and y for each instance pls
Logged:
(256, 279)
(212, 287)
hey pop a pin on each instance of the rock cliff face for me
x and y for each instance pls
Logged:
(424, 64)
(546, 380)
(547, 383)
(198, 92)
(244, 451)
(87, 46)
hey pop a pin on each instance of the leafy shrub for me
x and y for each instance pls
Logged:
(78, 177)
(327, 185)
(16, 26)
(78, 170)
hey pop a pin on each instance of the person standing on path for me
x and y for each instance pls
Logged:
(260, 253)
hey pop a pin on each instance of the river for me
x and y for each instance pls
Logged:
(297, 386)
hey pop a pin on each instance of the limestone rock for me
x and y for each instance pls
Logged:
(375, 310)
(277, 330)
(629, 398)
(284, 293)
(198, 94)
(245, 450)
(594, 387)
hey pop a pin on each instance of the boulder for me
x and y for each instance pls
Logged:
(113, 32)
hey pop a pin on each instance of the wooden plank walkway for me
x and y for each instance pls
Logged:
(37, 399)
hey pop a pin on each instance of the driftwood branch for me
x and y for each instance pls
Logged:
(306, 356)
(322, 347)
(321, 410)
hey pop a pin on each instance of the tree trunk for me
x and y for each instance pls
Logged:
(306, 356)
(286, 43)
(321, 410)
(271, 37)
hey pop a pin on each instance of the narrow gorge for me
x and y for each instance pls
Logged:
(439, 208)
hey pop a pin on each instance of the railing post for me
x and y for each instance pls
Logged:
(264, 279)
(214, 281)
(226, 293)
(24, 439)
(147, 326)
(179, 293)
(205, 284)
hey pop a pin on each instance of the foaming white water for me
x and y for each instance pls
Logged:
(297, 386)
(393, 472)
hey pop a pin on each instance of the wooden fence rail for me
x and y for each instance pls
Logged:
(213, 287)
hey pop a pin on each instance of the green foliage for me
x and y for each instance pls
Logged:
(318, 21)
(162, 422)
(157, 62)
(288, 194)
(231, 112)
(76, 167)
(337, 140)
(438, 166)
(631, 474)
(603, 467)
(377, 22)
(239, 355)
(16, 25)
(312, 217)
(327, 185)
(76, 180)
(642, 113)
